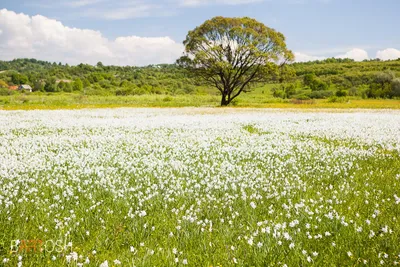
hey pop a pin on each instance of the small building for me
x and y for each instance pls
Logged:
(25, 87)
(13, 88)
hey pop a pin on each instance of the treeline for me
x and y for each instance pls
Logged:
(97, 80)
(318, 79)
(342, 77)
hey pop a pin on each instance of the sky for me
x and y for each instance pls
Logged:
(139, 32)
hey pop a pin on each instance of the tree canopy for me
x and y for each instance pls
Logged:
(234, 53)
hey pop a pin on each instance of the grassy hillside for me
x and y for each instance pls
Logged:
(335, 82)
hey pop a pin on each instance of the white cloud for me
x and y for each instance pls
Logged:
(300, 57)
(357, 54)
(388, 54)
(47, 39)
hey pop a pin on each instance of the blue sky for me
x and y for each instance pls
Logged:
(314, 28)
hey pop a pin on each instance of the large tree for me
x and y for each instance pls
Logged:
(233, 54)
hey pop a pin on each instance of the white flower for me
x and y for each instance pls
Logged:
(117, 262)
(291, 245)
(259, 244)
(253, 205)
(142, 213)
(184, 261)
(104, 264)
(74, 256)
(349, 254)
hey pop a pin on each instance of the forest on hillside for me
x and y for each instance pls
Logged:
(311, 80)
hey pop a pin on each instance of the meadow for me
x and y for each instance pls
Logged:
(258, 98)
(199, 187)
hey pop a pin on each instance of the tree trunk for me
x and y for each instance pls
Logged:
(224, 101)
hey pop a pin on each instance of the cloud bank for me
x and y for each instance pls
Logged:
(39, 37)
(357, 54)
(47, 39)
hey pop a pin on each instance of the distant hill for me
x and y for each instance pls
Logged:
(317, 79)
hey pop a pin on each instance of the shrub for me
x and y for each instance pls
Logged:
(303, 97)
(5, 91)
(167, 99)
(335, 99)
(321, 94)
(341, 93)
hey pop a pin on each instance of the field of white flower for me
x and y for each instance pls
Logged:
(199, 187)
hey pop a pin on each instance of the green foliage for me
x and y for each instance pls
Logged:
(3, 84)
(18, 79)
(396, 87)
(77, 85)
(252, 129)
(232, 54)
(316, 80)
(336, 99)
(5, 91)
(321, 94)
(341, 93)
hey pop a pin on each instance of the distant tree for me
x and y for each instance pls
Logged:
(396, 87)
(3, 84)
(385, 77)
(18, 79)
(100, 65)
(231, 54)
(38, 86)
(78, 85)
(308, 79)
(50, 85)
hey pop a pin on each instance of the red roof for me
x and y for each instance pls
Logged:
(13, 88)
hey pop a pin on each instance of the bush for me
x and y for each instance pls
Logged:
(335, 99)
(279, 93)
(167, 99)
(124, 91)
(303, 97)
(321, 94)
(341, 93)
(5, 91)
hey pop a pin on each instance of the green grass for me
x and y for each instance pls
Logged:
(258, 98)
